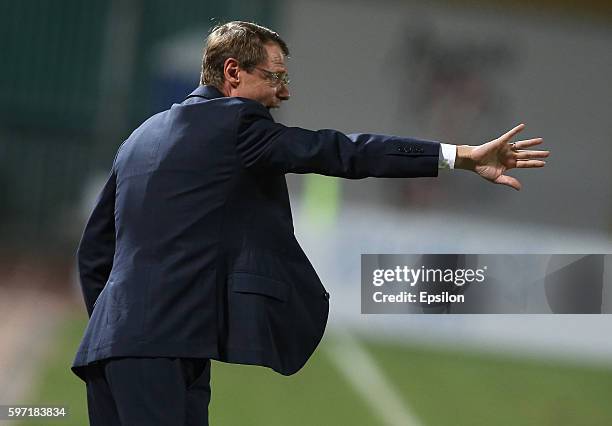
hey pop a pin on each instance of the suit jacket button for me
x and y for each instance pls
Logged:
(326, 295)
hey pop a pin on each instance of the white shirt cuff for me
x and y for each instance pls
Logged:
(446, 160)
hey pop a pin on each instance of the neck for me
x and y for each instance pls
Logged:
(226, 88)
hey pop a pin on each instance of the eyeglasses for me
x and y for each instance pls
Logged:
(278, 78)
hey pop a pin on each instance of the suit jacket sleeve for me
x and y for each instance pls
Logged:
(269, 146)
(97, 247)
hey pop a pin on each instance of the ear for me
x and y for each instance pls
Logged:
(231, 71)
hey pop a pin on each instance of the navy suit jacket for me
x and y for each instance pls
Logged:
(190, 249)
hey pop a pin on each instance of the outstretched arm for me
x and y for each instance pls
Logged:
(491, 160)
(272, 147)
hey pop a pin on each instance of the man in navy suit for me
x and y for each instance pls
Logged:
(189, 254)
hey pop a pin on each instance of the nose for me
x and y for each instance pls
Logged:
(283, 93)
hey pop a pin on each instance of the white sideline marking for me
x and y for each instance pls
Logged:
(358, 367)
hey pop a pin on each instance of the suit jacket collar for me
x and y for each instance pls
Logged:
(208, 92)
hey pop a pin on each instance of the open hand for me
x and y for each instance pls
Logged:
(492, 159)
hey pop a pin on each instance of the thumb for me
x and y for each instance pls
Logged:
(505, 138)
(508, 181)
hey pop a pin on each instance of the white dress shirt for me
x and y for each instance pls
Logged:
(446, 160)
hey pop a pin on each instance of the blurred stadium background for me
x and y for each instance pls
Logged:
(78, 76)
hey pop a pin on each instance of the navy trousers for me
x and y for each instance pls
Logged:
(148, 391)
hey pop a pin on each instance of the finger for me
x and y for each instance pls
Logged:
(527, 164)
(509, 181)
(527, 143)
(508, 135)
(526, 155)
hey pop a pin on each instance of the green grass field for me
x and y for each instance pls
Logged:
(441, 387)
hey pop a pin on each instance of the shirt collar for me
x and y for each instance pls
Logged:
(207, 91)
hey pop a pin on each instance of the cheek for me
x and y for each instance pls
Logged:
(269, 92)
(265, 91)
